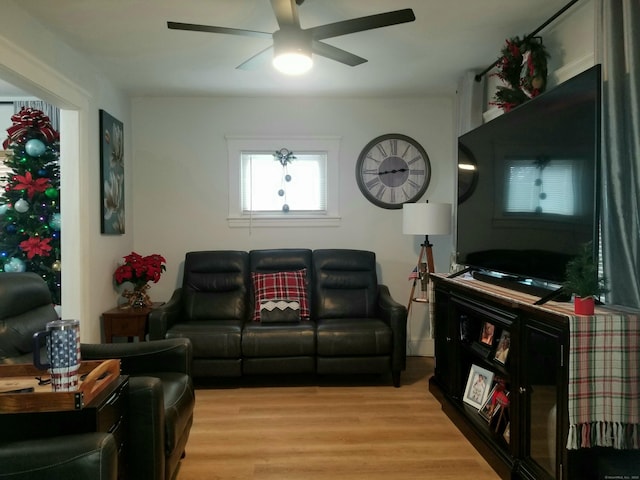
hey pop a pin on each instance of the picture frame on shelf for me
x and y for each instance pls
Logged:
(490, 406)
(487, 333)
(478, 386)
(507, 433)
(502, 351)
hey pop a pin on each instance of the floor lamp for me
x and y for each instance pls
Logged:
(425, 219)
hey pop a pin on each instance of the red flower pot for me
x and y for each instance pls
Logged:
(583, 306)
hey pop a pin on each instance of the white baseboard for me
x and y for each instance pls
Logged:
(420, 347)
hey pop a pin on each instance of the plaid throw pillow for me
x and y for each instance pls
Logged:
(281, 285)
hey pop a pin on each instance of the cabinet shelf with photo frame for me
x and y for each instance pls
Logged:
(515, 426)
(518, 417)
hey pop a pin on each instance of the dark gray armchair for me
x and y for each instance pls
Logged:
(73, 457)
(161, 392)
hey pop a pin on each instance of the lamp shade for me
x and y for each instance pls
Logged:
(426, 218)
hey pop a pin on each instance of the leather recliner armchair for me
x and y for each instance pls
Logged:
(161, 402)
(81, 456)
(161, 392)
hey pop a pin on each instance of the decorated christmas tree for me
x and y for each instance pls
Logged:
(30, 201)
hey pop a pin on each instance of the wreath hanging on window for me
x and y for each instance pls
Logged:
(523, 67)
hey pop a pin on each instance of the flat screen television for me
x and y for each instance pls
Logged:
(528, 185)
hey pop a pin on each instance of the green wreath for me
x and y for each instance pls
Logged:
(523, 67)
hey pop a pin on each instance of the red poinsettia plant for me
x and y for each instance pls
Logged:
(139, 270)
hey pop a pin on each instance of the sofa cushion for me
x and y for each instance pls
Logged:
(215, 285)
(281, 285)
(278, 340)
(345, 284)
(353, 336)
(212, 338)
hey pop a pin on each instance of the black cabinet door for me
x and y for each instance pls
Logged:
(444, 344)
(541, 396)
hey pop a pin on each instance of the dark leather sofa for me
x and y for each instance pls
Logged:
(161, 393)
(354, 326)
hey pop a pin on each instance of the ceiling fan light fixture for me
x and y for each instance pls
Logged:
(292, 52)
(292, 63)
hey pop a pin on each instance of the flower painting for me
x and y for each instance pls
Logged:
(111, 174)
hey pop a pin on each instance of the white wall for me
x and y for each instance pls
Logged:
(175, 164)
(36, 61)
(181, 175)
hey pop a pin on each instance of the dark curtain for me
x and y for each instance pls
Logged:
(620, 54)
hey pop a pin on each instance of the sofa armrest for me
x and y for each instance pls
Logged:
(163, 317)
(87, 455)
(395, 315)
(144, 358)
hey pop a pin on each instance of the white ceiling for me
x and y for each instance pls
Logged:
(130, 42)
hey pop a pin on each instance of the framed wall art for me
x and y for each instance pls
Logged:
(111, 175)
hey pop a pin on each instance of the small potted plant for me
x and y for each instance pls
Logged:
(582, 279)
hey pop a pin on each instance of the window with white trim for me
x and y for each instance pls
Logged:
(283, 181)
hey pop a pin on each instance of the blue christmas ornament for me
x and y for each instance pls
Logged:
(15, 265)
(35, 147)
(3, 208)
(54, 221)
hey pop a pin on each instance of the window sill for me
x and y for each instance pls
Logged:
(279, 221)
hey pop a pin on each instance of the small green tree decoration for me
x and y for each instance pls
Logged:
(581, 276)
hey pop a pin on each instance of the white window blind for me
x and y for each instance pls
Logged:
(298, 187)
(4, 171)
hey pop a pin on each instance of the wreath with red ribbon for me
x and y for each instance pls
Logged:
(523, 67)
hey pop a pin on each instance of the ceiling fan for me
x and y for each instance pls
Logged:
(292, 40)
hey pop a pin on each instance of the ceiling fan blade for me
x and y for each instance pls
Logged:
(337, 54)
(211, 29)
(361, 24)
(258, 60)
(286, 12)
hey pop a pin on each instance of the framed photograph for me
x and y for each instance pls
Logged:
(111, 175)
(478, 386)
(487, 332)
(490, 406)
(507, 433)
(502, 352)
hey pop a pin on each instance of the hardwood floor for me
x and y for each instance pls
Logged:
(334, 428)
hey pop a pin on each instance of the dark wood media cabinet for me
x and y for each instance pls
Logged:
(526, 438)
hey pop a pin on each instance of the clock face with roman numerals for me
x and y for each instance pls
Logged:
(393, 169)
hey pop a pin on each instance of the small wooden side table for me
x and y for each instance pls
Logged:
(126, 322)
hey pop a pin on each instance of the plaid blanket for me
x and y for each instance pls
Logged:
(604, 381)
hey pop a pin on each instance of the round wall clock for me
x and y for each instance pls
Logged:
(393, 169)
